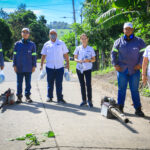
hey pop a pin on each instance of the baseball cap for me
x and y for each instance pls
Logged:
(25, 29)
(128, 24)
(52, 30)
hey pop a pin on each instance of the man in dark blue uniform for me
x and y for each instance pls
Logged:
(24, 63)
(127, 57)
(1, 57)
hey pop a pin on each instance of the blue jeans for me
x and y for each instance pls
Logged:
(20, 77)
(57, 76)
(123, 79)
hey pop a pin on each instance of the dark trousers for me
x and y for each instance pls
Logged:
(57, 76)
(86, 76)
(20, 77)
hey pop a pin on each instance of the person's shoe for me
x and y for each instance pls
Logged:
(90, 104)
(28, 99)
(83, 103)
(19, 100)
(62, 101)
(139, 112)
(49, 99)
(120, 107)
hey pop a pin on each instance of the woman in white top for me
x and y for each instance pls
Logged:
(84, 55)
(146, 66)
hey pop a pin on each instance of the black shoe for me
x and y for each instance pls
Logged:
(139, 112)
(120, 107)
(62, 101)
(28, 99)
(49, 99)
(90, 104)
(19, 100)
(83, 103)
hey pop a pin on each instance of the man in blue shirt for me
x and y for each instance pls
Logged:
(24, 63)
(127, 57)
(1, 57)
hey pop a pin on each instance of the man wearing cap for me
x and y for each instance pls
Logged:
(54, 51)
(24, 63)
(127, 56)
(1, 57)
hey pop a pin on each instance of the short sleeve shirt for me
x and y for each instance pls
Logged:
(147, 54)
(84, 53)
(54, 52)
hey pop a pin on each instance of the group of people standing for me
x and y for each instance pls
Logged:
(127, 57)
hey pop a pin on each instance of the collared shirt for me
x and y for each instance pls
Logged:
(54, 52)
(128, 54)
(147, 54)
(24, 56)
(1, 56)
(84, 53)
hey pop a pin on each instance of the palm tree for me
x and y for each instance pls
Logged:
(121, 11)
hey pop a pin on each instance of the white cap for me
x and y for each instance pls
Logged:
(128, 24)
(25, 29)
(52, 30)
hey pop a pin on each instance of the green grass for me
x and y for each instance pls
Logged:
(73, 66)
(104, 71)
(61, 32)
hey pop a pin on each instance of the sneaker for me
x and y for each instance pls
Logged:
(49, 99)
(139, 112)
(28, 99)
(19, 100)
(83, 103)
(62, 101)
(90, 104)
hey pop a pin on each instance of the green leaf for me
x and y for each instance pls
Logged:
(21, 138)
(49, 134)
(29, 135)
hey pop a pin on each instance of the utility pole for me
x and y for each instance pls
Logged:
(74, 13)
(81, 14)
(74, 18)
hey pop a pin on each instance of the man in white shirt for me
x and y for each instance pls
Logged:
(54, 51)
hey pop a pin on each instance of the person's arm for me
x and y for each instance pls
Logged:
(77, 60)
(142, 49)
(114, 56)
(14, 58)
(66, 56)
(1, 60)
(33, 58)
(42, 61)
(144, 69)
(90, 60)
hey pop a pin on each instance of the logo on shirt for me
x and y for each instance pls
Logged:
(135, 48)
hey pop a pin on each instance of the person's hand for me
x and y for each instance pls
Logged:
(86, 60)
(144, 79)
(15, 69)
(33, 69)
(118, 68)
(67, 66)
(80, 61)
(137, 67)
(41, 68)
(2, 67)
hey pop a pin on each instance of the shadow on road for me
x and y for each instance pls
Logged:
(133, 115)
(34, 107)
